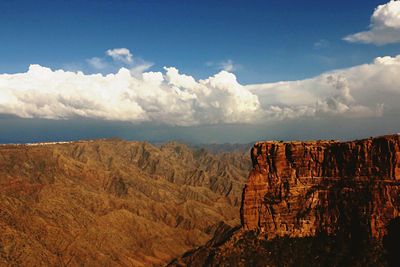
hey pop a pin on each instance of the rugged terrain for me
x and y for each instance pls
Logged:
(113, 202)
(322, 203)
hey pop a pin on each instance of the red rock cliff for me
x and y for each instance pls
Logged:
(299, 189)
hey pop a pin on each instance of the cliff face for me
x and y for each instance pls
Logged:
(300, 189)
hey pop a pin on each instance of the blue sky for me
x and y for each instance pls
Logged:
(198, 71)
(269, 40)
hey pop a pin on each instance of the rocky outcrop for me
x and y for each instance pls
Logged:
(300, 189)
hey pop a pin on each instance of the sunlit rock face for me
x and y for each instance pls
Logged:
(300, 189)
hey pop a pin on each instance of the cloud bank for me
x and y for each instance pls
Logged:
(169, 97)
(384, 27)
(362, 91)
(172, 98)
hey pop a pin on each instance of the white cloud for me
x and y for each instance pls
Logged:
(173, 98)
(97, 63)
(120, 55)
(138, 68)
(226, 65)
(360, 91)
(117, 58)
(384, 27)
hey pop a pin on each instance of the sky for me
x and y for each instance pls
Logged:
(198, 71)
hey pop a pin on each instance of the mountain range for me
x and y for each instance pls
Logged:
(113, 202)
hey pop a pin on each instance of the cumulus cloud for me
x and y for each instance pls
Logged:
(120, 54)
(360, 91)
(116, 58)
(173, 98)
(384, 27)
(170, 98)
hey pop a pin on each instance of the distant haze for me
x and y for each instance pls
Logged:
(15, 130)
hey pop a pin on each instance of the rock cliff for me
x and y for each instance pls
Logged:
(299, 189)
(322, 203)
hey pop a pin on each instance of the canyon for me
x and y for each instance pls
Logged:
(112, 202)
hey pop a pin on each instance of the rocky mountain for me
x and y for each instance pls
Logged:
(113, 202)
(323, 203)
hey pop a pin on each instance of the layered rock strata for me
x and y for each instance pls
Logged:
(300, 189)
